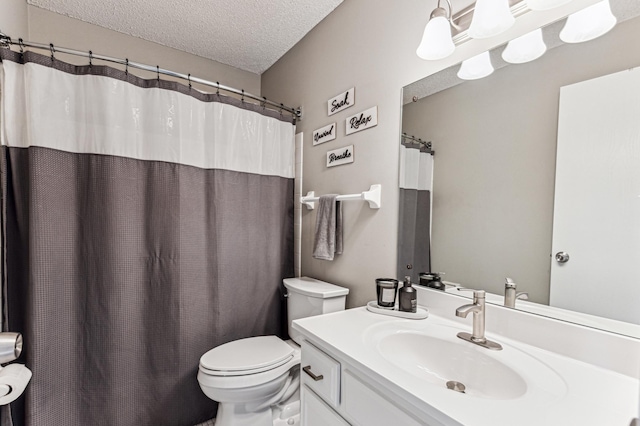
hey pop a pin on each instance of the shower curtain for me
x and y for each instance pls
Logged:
(143, 223)
(414, 230)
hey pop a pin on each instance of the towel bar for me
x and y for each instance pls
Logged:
(372, 196)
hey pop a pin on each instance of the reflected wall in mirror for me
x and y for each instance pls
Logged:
(495, 168)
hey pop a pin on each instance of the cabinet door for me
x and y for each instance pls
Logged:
(315, 412)
(363, 406)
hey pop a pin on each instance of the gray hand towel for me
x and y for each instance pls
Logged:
(328, 236)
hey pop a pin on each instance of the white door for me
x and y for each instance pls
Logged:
(597, 198)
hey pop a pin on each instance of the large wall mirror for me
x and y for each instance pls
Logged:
(509, 150)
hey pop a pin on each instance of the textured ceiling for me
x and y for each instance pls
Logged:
(247, 34)
(622, 9)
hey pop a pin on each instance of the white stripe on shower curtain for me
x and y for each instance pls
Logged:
(152, 124)
(416, 169)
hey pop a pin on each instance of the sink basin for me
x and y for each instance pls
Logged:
(440, 361)
(433, 354)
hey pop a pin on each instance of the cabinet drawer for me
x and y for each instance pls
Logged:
(320, 373)
(315, 412)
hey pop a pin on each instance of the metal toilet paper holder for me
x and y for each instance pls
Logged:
(10, 346)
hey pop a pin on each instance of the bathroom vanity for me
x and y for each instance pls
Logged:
(367, 369)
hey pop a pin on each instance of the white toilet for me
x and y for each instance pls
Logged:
(250, 377)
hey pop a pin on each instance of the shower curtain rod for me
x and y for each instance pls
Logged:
(7, 42)
(428, 145)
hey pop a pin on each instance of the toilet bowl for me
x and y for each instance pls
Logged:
(250, 377)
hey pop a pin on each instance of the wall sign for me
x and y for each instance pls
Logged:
(342, 101)
(325, 134)
(340, 156)
(362, 121)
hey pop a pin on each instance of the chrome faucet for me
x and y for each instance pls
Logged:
(510, 295)
(478, 309)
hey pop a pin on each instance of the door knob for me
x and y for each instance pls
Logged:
(562, 257)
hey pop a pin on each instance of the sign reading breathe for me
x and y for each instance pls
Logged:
(340, 156)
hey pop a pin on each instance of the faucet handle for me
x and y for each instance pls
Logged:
(477, 294)
(522, 295)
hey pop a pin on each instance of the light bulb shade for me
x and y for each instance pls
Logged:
(545, 4)
(436, 41)
(490, 18)
(477, 67)
(589, 23)
(525, 48)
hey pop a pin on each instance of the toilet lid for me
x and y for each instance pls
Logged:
(247, 356)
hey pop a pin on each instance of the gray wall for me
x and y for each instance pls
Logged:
(494, 169)
(369, 45)
(17, 19)
(13, 17)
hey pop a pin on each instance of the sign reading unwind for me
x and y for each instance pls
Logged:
(325, 134)
(340, 156)
(362, 121)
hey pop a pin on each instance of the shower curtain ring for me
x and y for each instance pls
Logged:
(218, 91)
(90, 59)
(281, 106)
(189, 78)
(126, 67)
(21, 44)
(264, 102)
(53, 50)
(242, 96)
(158, 72)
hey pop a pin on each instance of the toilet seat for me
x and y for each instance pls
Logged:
(236, 379)
(246, 356)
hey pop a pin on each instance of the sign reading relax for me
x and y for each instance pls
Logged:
(363, 120)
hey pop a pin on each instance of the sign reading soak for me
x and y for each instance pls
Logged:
(340, 156)
(325, 134)
(361, 121)
(342, 101)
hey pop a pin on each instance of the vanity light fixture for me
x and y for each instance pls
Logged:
(525, 48)
(589, 23)
(475, 68)
(545, 4)
(490, 18)
(436, 41)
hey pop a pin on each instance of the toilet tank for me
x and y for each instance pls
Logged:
(308, 297)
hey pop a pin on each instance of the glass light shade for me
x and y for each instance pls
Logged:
(589, 23)
(545, 4)
(477, 67)
(525, 48)
(490, 18)
(436, 41)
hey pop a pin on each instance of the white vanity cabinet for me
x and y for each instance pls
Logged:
(333, 394)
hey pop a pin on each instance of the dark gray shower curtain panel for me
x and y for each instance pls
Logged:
(121, 272)
(414, 243)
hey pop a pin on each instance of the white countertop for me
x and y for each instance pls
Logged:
(583, 394)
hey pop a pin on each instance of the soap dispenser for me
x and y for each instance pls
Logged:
(408, 297)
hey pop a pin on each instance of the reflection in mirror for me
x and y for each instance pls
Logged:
(494, 176)
(416, 176)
